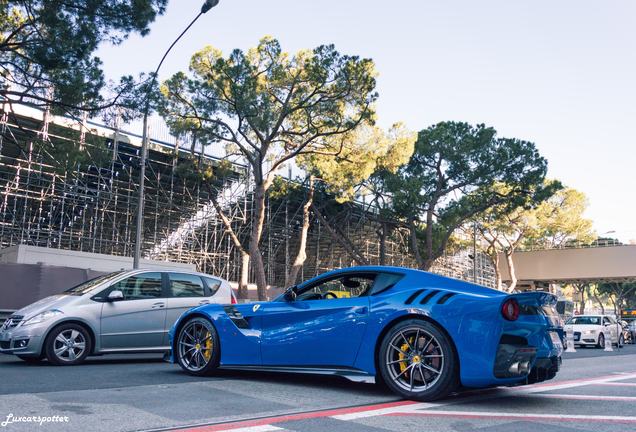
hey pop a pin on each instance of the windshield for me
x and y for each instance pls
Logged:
(588, 320)
(88, 285)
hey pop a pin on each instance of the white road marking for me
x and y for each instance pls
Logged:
(584, 397)
(261, 428)
(384, 411)
(558, 417)
(530, 390)
(566, 385)
(618, 384)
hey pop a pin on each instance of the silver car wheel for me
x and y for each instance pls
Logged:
(69, 345)
(414, 359)
(195, 346)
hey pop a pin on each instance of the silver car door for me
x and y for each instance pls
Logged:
(139, 319)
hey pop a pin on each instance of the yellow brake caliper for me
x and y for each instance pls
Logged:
(404, 364)
(207, 352)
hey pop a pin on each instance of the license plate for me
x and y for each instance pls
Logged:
(556, 340)
(577, 337)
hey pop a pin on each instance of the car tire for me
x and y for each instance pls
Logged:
(417, 360)
(601, 341)
(67, 345)
(196, 347)
(30, 359)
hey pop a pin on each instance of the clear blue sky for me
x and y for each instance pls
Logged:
(559, 73)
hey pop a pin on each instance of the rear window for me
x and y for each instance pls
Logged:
(186, 285)
(213, 284)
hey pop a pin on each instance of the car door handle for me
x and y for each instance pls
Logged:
(361, 310)
(204, 302)
(158, 305)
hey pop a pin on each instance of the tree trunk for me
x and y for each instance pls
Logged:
(258, 219)
(382, 234)
(582, 307)
(245, 270)
(428, 261)
(495, 263)
(414, 245)
(301, 256)
(245, 258)
(511, 267)
(600, 303)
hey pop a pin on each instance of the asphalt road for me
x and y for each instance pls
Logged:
(595, 391)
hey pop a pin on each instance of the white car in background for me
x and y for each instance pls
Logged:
(593, 330)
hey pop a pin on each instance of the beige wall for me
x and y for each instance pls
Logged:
(612, 262)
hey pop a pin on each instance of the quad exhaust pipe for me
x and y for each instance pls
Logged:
(519, 368)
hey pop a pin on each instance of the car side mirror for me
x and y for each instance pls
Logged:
(290, 293)
(115, 295)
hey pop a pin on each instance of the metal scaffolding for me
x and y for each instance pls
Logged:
(72, 184)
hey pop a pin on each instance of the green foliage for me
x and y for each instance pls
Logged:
(560, 220)
(364, 151)
(623, 294)
(66, 154)
(268, 105)
(49, 45)
(451, 177)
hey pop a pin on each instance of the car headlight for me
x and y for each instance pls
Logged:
(41, 317)
(590, 332)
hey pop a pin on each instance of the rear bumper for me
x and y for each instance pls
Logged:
(514, 361)
(544, 369)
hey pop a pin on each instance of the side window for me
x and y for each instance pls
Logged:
(346, 286)
(606, 321)
(139, 287)
(213, 285)
(186, 285)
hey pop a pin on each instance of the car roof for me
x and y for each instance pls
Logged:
(169, 270)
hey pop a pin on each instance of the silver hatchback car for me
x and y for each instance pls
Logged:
(121, 312)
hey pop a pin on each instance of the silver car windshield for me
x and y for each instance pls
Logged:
(85, 287)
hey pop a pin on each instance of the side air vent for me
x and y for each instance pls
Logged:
(444, 298)
(236, 317)
(428, 296)
(413, 296)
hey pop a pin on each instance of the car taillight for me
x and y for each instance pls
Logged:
(233, 301)
(510, 310)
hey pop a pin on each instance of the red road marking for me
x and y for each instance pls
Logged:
(292, 417)
(512, 416)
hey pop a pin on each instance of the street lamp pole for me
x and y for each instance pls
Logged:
(209, 4)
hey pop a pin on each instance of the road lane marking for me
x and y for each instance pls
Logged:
(618, 384)
(584, 397)
(384, 411)
(420, 408)
(509, 416)
(262, 428)
(268, 421)
(542, 387)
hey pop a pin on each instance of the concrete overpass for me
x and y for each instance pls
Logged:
(576, 265)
